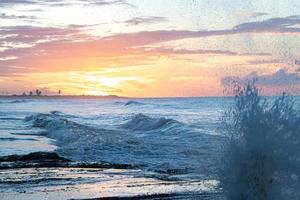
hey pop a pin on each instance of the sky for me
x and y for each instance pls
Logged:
(148, 48)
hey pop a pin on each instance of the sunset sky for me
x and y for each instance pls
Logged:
(148, 48)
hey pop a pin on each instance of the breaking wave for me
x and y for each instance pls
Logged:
(165, 143)
(142, 122)
(50, 121)
(129, 103)
(15, 101)
(133, 103)
(262, 159)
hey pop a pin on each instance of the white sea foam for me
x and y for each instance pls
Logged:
(164, 144)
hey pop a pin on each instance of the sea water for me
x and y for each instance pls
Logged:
(175, 135)
(157, 134)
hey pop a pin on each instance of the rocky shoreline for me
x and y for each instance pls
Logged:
(51, 159)
(47, 175)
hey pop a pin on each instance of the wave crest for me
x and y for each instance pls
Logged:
(80, 141)
(15, 101)
(133, 103)
(129, 103)
(50, 121)
(141, 122)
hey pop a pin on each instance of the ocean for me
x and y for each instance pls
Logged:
(171, 145)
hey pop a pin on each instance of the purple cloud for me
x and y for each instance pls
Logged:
(63, 2)
(279, 78)
(55, 42)
(164, 50)
(145, 20)
(283, 25)
(265, 61)
(6, 16)
(31, 33)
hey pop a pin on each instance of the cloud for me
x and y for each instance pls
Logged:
(57, 46)
(9, 70)
(145, 20)
(273, 25)
(6, 16)
(250, 15)
(279, 78)
(170, 50)
(109, 2)
(64, 2)
(257, 14)
(31, 33)
(30, 2)
(265, 61)
(163, 50)
(40, 46)
(14, 2)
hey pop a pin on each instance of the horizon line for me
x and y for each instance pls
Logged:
(124, 97)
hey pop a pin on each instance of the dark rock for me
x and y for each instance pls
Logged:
(170, 196)
(48, 159)
(36, 156)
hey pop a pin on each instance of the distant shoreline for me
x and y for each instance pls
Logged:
(111, 97)
(60, 97)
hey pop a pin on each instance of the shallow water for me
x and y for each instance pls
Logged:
(62, 183)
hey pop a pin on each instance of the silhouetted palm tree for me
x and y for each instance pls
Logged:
(38, 92)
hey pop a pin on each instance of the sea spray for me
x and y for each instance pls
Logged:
(262, 151)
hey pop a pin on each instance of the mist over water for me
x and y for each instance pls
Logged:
(262, 151)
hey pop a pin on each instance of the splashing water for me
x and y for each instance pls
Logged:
(262, 153)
